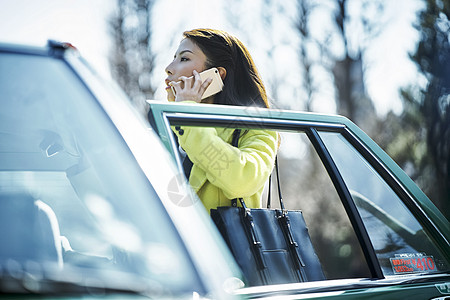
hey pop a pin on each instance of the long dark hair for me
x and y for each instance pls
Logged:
(242, 84)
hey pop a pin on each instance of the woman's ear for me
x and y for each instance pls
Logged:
(222, 72)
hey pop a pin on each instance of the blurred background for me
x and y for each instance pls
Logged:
(383, 64)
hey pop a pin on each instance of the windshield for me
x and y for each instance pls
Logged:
(74, 204)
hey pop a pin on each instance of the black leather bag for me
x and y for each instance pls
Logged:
(272, 246)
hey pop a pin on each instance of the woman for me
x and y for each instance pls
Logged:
(220, 171)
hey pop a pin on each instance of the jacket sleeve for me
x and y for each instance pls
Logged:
(238, 172)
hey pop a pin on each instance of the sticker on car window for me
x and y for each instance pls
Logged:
(408, 263)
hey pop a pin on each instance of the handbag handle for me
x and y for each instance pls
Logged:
(284, 220)
(234, 142)
(280, 197)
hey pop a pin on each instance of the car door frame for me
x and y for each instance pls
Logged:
(162, 116)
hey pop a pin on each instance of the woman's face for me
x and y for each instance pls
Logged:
(188, 57)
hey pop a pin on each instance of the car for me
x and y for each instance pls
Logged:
(94, 202)
(375, 233)
(84, 203)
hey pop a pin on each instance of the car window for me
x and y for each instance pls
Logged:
(401, 243)
(306, 186)
(74, 204)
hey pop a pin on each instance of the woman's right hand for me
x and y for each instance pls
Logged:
(189, 88)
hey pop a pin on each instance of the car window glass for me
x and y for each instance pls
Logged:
(307, 186)
(401, 243)
(77, 202)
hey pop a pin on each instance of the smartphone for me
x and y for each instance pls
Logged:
(214, 87)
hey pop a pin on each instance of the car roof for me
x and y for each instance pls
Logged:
(52, 48)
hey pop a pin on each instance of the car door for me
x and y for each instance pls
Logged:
(375, 232)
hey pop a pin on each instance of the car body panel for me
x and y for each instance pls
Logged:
(394, 288)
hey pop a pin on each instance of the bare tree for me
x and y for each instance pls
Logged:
(132, 60)
(304, 9)
(421, 142)
(351, 95)
(261, 31)
(345, 66)
(346, 70)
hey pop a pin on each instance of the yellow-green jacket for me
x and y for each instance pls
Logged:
(221, 172)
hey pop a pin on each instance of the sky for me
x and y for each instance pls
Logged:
(80, 22)
(84, 23)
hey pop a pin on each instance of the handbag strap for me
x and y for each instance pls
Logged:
(250, 228)
(235, 139)
(280, 197)
(283, 219)
(285, 223)
(234, 142)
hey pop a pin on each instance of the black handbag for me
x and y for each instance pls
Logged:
(272, 246)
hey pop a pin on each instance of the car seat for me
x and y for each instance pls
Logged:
(29, 234)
